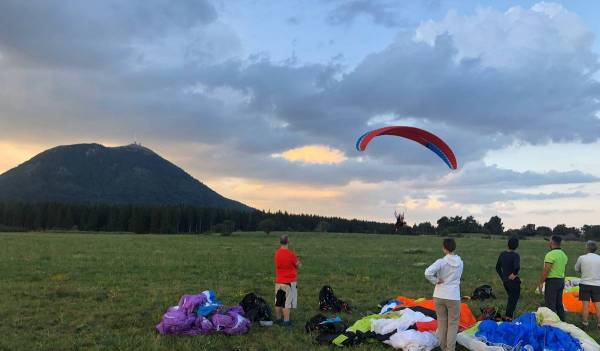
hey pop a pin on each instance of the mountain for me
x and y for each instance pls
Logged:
(95, 173)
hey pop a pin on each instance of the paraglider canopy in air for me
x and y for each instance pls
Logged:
(421, 136)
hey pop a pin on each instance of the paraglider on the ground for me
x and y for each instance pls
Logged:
(421, 136)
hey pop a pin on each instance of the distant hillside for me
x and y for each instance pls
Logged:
(94, 173)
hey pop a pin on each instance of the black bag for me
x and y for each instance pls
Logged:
(327, 331)
(483, 292)
(330, 303)
(316, 324)
(313, 323)
(256, 308)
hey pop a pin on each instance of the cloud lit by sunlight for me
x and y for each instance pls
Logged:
(314, 154)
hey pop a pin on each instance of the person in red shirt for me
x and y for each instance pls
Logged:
(286, 276)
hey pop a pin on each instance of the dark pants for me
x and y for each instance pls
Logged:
(513, 289)
(553, 294)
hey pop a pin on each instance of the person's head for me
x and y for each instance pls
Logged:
(555, 241)
(513, 243)
(449, 245)
(590, 246)
(284, 240)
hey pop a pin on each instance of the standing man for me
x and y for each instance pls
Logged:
(507, 267)
(286, 276)
(589, 287)
(554, 277)
(445, 274)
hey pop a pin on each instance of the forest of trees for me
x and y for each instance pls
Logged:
(16, 216)
(168, 219)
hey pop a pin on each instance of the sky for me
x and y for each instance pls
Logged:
(263, 100)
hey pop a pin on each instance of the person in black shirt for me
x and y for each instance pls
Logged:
(508, 267)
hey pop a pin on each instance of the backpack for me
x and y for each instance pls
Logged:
(256, 308)
(329, 302)
(483, 292)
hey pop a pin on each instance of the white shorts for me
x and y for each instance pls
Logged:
(286, 295)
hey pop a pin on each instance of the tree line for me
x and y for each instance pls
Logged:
(18, 216)
(168, 219)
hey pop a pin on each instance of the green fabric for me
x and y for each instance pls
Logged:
(473, 330)
(364, 325)
(558, 259)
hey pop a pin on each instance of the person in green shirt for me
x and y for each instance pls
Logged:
(553, 276)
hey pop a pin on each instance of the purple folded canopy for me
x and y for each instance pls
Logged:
(183, 320)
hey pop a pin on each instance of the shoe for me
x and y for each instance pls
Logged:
(585, 326)
(286, 324)
(278, 321)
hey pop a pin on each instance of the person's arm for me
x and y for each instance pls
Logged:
(516, 268)
(432, 271)
(499, 267)
(297, 263)
(545, 271)
(578, 265)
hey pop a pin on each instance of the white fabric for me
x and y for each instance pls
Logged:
(589, 267)
(472, 343)
(412, 340)
(408, 317)
(389, 307)
(445, 273)
(545, 316)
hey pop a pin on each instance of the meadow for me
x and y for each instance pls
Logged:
(65, 291)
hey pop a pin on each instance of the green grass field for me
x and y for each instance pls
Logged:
(100, 291)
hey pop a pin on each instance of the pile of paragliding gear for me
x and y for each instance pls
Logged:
(202, 314)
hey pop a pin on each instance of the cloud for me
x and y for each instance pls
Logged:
(313, 154)
(492, 196)
(476, 100)
(381, 12)
(477, 175)
(91, 35)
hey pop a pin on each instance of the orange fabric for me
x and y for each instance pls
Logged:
(427, 326)
(572, 303)
(467, 319)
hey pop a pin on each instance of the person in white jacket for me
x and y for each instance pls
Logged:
(445, 273)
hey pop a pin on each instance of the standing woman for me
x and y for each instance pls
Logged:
(507, 267)
(445, 273)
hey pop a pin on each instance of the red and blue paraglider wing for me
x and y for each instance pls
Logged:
(421, 136)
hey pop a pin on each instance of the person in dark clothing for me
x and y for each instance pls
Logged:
(508, 266)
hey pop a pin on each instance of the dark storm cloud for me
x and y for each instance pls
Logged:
(91, 33)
